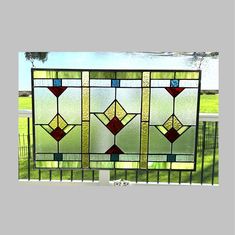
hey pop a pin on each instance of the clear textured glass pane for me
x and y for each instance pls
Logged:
(128, 139)
(161, 106)
(101, 139)
(157, 158)
(185, 143)
(42, 82)
(70, 105)
(184, 158)
(186, 106)
(71, 156)
(130, 99)
(129, 157)
(160, 83)
(130, 83)
(101, 98)
(158, 143)
(43, 97)
(100, 82)
(45, 143)
(189, 83)
(44, 157)
(70, 82)
(71, 142)
(99, 157)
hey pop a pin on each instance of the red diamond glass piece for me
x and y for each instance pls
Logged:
(114, 150)
(115, 125)
(57, 91)
(58, 134)
(172, 135)
(174, 91)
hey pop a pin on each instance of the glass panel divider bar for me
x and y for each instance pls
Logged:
(85, 118)
(144, 133)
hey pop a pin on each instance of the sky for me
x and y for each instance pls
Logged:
(119, 60)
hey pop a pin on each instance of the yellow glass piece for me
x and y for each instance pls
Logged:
(169, 123)
(162, 75)
(44, 74)
(178, 165)
(144, 145)
(143, 159)
(183, 129)
(68, 128)
(127, 165)
(69, 164)
(128, 75)
(144, 137)
(127, 118)
(61, 122)
(145, 104)
(58, 121)
(162, 129)
(85, 78)
(101, 164)
(120, 112)
(47, 128)
(85, 96)
(159, 165)
(85, 144)
(85, 104)
(69, 74)
(110, 112)
(102, 75)
(102, 117)
(187, 75)
(53, 122)
(47, 164)
(176, 123)
(146, 79)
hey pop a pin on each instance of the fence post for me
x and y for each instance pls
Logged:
(29, 149)
(104, 177)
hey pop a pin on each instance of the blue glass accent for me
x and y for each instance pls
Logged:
(58, 157)
(57, 82)
(174, 83)
(171, 157)
(115, 83)
(114, 157)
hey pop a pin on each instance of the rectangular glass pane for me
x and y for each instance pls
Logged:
(69, 74)
(129, 75)
(115, 119)
(101, 75)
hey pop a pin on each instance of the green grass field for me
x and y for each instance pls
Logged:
(208, 104)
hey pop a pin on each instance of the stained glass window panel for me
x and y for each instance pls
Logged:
(115, 119)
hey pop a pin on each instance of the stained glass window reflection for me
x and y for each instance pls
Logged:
(115, 119)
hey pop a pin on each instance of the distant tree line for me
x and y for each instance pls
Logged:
(32, 56)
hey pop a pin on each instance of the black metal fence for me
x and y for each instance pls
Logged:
(206, 173)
